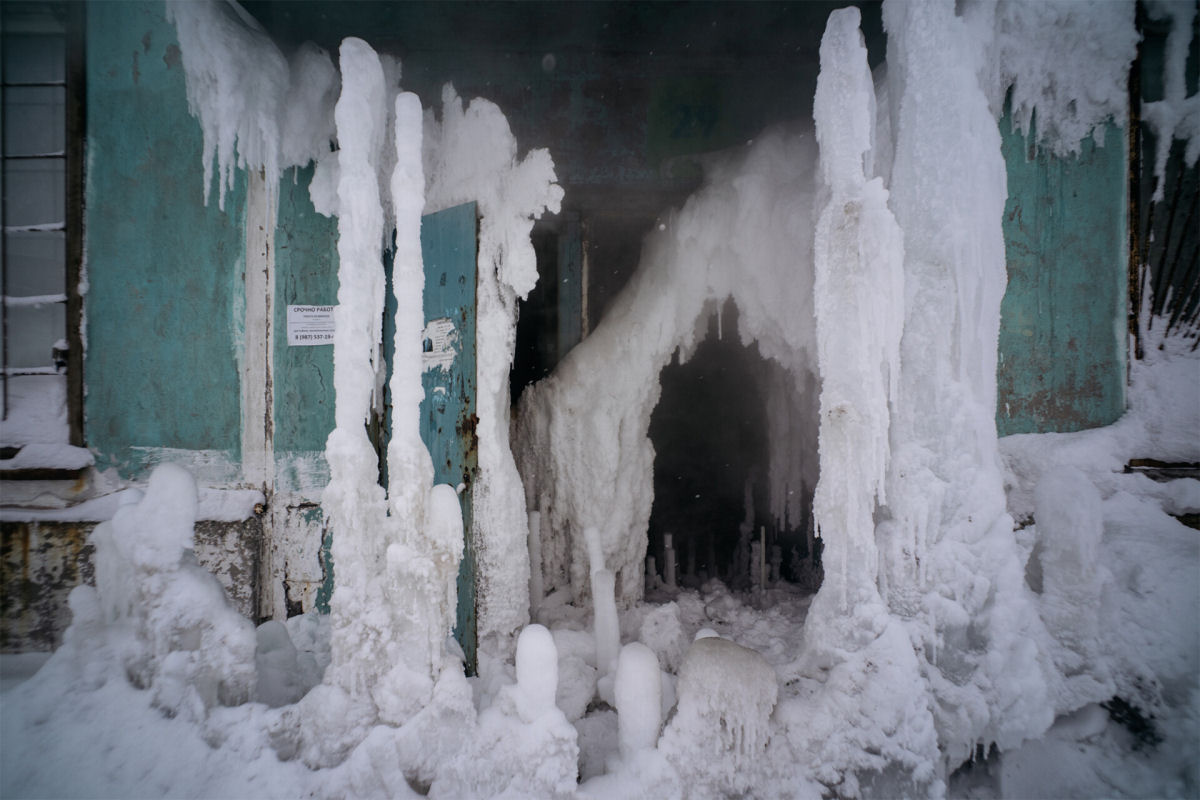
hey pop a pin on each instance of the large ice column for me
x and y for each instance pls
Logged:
(410, 470)
(859, 285)
(952, 566)
(354, 501)
(423, 559)
(858, 256)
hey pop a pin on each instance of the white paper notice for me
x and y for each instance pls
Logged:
(441, 344)
(309, 325)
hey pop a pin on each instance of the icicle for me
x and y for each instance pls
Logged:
(1177, 115)
(669, 562)
(536, 588)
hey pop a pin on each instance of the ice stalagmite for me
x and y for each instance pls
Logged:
(870, 721)
(858, 254)
(952, 570)
(354, 501)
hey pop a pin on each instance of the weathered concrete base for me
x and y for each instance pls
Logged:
(41, 562)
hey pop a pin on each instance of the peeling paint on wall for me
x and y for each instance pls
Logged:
(41, 562)
(160, 263)
(1062, 335)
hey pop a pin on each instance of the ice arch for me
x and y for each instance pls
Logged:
(582, 441)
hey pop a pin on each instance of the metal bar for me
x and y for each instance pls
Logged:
(1180, 299)
(1134, 143)
(76, 118)
(33, 84)
(45, 227)
(3, 240)
(59, 154)
(1164, 273)
(34, 300)
(1187, 309)
(14, 371)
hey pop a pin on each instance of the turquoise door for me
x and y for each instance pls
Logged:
(448, 247)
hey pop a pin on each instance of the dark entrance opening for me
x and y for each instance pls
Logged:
(712, 466)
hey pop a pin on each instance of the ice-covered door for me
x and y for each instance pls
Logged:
(448, 247)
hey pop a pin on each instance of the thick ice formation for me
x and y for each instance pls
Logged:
(926, 639)
(953, 568)
(260, 111)
(858, 256)
(908, 239)
(638, 694)
(167, 620)
(523, 745)
(537, 671)
(581, 434)
(366, 622)
(1067, 59)
(726, 695)
(257, 111)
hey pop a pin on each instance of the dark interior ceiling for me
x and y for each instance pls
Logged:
(623, 94)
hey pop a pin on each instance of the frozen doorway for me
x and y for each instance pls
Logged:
(712, 473)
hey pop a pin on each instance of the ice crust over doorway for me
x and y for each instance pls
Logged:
(582, 434)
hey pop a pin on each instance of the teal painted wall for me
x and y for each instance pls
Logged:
(164, 271)
(1062, 330)
(306, 268)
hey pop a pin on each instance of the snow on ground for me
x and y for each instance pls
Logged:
(80, 728)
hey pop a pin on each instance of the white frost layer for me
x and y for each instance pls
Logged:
(257, 111)
(1066, 60)
(36, 411)
(49, 456)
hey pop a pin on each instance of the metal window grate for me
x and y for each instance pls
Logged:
(40, 182)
